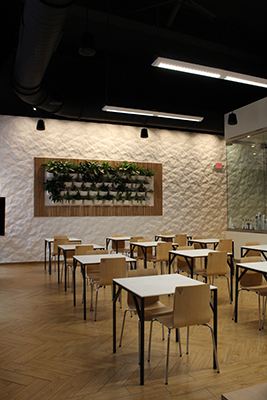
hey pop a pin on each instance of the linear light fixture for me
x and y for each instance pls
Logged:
(149, 113)
(202, 70)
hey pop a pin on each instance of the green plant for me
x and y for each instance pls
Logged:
(54, 187)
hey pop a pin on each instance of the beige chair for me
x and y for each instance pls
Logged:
(58, 240)
(191, 306)
(92, 270)
(181, 263)
(216, 266)
(253, 281)
(181, 240)
(121, 244)
(109, 269)
(149, 251)
(153, 306)
(70, 254)
(225, 245)
(252, 253)
(162, 255)
(134, 239)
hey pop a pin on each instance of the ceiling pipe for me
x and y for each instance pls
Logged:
(40, 32)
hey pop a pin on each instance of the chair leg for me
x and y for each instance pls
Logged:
(264, 298)
(167, 360)
(150, 338)
(259, 301)
(214, 347)
(123, 322)
(229, 291)
(187, 340)
(96, 296)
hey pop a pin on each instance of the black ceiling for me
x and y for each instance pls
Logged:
(129, 35)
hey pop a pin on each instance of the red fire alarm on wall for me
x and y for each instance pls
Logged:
(218, 167)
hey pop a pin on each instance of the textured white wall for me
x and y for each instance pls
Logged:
(194, 195)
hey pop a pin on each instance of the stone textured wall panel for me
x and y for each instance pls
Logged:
(194, 195)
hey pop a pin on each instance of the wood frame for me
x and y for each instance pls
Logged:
(40, 210)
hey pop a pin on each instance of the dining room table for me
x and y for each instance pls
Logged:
(143, 246)
(156, 285)
(205, 242)
(115, 240)
(262, 248)
(191, 254)
(260, 267)
(83, 261)
(48, 242)
(65, 249)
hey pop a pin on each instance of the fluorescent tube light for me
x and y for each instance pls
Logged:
(150, 113)
(202, 70)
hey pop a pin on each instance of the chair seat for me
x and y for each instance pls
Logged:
(158, 309)
(261, 289)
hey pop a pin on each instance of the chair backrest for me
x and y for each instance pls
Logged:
(252, 253)
(251, 278)
(181, 240)
(137, 273)
(149, 251)
(111, 268)
(58, 241)
(225, 245)
(191, 305)
(83, 249)
(163, 249)
(71, 253)
(121, 243)
(135, 238)
(217, 263)
(94, 268)
(181, 261)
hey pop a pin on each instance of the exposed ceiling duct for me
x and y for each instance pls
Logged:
(40, 32)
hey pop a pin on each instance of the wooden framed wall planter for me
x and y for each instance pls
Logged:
(96, 188)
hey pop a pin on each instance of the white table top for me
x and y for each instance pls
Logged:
(118, 238)
(67, 247)
(254, 266)
(194, 253)
(171, 236)
(205, 241)
(51, 240)
(156, 285)
(145, 244)
(95, 259)
(260, 247)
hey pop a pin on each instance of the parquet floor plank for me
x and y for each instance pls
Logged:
(48, 351)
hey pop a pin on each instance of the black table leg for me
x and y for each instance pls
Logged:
(45, 245)
(74, 280)
(49, 255)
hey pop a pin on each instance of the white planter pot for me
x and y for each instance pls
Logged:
(72, 192)
(49, 175)
(78, 184)
(102, 193)
(63, 193)
(83, 192)
(93, 193)
(88, 202)
(68, 184)
(126, 203)
(108, 202)
(78, 202)
(98, 202)
(74, 176)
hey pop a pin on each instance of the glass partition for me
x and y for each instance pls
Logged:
(246, 182)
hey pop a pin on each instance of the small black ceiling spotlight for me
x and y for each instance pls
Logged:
(144, 133)
(232, 119)
(87, 45)
(40, 125)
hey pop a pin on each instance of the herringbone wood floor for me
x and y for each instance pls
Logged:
(48, 352)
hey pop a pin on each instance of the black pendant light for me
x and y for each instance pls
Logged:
(40, 125)
(232, 119)
(144, 133)
(87, 42)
